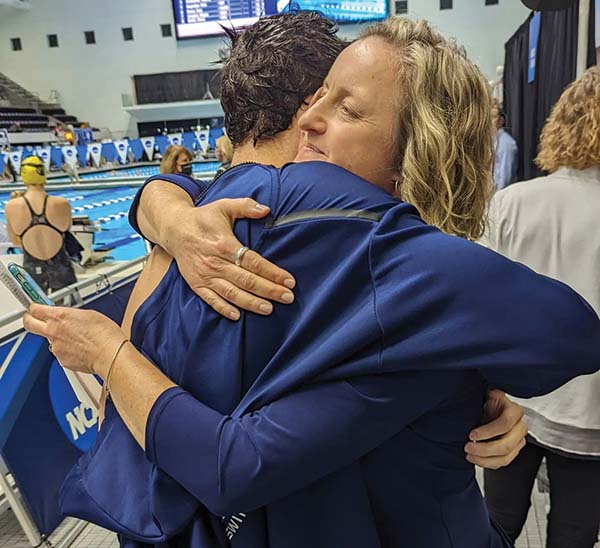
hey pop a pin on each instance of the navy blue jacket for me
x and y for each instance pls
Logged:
(340, 420)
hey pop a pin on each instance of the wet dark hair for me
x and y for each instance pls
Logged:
(271, 68)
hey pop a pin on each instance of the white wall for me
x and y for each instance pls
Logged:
(91, 78)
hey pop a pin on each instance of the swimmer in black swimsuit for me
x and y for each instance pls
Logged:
(56, 272)
(51, 273)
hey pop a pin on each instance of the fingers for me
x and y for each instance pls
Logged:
(255, 283)
(243, 208)
(253, 262)
(42, 312)
(219, 305)
(494, 463)
(35, 325)
(501, 447)
(510, 415)
(240, 298)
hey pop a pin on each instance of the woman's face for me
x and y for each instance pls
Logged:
(181, 160)
(352, 119)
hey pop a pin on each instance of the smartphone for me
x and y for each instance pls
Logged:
(22, 285)
(27, 291)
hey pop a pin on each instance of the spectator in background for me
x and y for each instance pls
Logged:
(505, 166)
(551, 225)
(224, 153)
(6, 246)
(5, 243)
(72, 172)
(38, 223)
(6, 175)
(176, 156)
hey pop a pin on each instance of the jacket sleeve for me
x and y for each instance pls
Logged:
(445, 304)
(193, 187)
(239, 464)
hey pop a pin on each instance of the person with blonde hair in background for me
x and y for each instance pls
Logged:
(551, 225)
(224, 153)
(175, 159)
(38, 222)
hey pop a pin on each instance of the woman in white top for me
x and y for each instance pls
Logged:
(551, 224)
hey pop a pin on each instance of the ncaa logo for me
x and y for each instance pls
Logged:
(121, 146)
(78, 422)
(69, 153)
(203, 137)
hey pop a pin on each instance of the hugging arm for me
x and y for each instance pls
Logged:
(202, 242)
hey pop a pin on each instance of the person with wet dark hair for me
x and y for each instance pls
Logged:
(269, 73)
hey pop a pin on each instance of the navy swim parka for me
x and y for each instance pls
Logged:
(339, 421)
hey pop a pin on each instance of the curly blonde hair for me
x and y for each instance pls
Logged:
(169, 161)
(571, 136)
(445, 137)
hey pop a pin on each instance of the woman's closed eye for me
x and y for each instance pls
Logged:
(349, 112)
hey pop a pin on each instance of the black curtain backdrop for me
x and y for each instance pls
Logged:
(176, 86)
(527, 106)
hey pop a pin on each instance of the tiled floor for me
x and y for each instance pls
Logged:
(93, 537)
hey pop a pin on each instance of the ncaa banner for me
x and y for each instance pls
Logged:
(95, 153)
(148, 143)
(174, 138)
(70, 155)
(15, 160)
(202, 137)
(122, 148)
(43, 153)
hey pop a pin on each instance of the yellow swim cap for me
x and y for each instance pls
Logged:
(33, 171)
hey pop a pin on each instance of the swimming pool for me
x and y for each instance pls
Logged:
(145, 171)
(109, 208)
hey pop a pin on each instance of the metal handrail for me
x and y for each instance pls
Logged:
(74, 289)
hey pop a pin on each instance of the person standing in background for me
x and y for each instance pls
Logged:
(38, 223)
(224, 153)
(73, 173)
(505, 165)
(551, 225)
(174, 160)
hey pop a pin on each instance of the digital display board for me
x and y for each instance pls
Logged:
(197, 18)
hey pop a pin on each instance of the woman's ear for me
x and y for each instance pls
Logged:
(397, 183)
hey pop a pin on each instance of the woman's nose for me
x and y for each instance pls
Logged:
(313, 120)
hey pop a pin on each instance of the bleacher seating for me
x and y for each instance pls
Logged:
(27, 113)
(22, 119)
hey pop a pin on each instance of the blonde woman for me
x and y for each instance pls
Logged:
(340, 421)
(174, 160)
(224, 153)
(551, 225)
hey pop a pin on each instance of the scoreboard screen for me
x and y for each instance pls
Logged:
(197, 18)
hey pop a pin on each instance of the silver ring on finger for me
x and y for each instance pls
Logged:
(240, 254)
(50, 347)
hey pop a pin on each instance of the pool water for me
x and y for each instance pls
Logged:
(109, 207)
(141, 171)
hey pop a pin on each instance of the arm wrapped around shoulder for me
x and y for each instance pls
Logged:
(446, 303)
